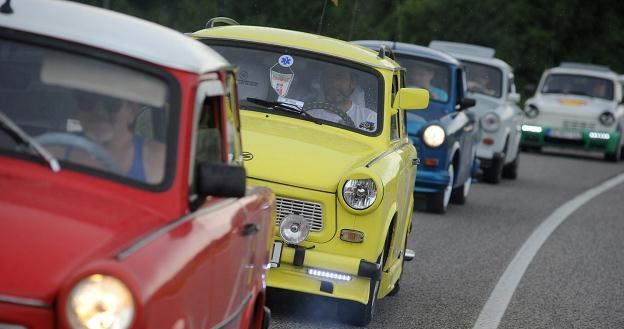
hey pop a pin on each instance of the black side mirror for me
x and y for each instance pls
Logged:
(466, 103)
(217, 179)
(529, 89)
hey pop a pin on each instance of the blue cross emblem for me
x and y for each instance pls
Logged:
(285, 60)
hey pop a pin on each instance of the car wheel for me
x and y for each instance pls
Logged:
(438, 202)
(494, 173)
(615, 156)
(510, 170)
(397, 285)
(460, 193)
(358, 314)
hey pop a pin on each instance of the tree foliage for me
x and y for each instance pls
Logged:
(531, 35)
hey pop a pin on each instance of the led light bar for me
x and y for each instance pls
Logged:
(597, 135)
(532, 129)
(329, 275)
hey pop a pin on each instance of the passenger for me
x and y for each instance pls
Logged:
(109, 122)
(420, 75)
(599, 90)
(338, 85)
(479, 82)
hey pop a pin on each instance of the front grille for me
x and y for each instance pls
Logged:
(312, 211)
(575, 124)
(564, 141)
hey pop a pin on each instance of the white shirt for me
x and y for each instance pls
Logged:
(363, 118)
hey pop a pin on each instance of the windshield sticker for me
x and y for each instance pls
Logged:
(291, 101)
(282, 76)
(368, 125)
(286, 60)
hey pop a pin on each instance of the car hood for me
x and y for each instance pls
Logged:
(299, 153)
(49, 230)
(573, 104)
(484, 104)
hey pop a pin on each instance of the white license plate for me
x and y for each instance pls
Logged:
(565, 134)
(276, 256)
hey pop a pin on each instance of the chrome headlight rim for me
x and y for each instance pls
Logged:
(607, 119)
(79, 301)
(531, 111)
(367, 188)
(494, 126)
(434, 136)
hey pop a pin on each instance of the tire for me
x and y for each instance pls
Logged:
(438, 202)
(358, 314)
(614, 157)
(510, 170)
(460, 193)
(493, 174)
(397, 285)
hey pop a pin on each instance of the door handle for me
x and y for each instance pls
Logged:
(250, 229)
(415, 162)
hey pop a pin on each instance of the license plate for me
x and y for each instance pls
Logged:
(276, 256)
(565, 134)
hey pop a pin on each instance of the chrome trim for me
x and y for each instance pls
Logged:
(24, 301)
(236, 314)
(149, 237)
(382, 155)
(312, 211)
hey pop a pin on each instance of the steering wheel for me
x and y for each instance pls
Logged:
(329, 108)
(82, 143)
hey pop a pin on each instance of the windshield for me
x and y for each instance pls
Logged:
(429, 75)
(328, 92)
(578, 85)
(483, 79)
(89, 114)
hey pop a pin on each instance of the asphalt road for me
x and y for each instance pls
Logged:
(575, 279)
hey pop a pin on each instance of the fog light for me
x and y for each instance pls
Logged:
(532, 129)
(329, 275)
(597, 135)
(294, 229)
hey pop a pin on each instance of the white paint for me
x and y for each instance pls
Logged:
(496, 305)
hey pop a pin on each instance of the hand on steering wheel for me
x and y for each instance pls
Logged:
(346, 119)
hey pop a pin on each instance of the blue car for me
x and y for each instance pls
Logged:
(445, 135)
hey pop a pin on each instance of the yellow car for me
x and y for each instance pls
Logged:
(323, 125)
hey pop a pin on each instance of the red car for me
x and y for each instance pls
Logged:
(123, 200)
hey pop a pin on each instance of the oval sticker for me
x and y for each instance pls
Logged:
(285, 60)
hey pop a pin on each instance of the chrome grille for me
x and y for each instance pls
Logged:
(575, 124)
(312, 211)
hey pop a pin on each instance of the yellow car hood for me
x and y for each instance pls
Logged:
(301, 153)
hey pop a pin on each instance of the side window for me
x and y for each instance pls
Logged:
(394, 127)
(395, 86)
(232, 121)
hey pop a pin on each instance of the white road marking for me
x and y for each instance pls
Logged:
(496, 305)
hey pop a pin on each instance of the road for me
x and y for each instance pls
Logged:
(574, 280)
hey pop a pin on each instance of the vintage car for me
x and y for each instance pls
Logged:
(124, 203)
(445, 135)
(323, 121)
(576, 106)
(491, 82)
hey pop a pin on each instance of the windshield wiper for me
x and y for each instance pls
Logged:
(22, 137)
(284, 107)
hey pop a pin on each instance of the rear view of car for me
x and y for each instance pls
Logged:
(576, 106)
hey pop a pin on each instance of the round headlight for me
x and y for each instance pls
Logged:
(531, 111)
(100, 301)
(434, 136)
(490, 122)
(359, 194)
(294, 229)
(606, 118)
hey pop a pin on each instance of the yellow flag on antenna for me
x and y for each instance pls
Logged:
(335, 2)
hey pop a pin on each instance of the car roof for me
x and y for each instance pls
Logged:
(298, 40)
(471, 53)
(409, 49)
(585, 69)
(112, 31)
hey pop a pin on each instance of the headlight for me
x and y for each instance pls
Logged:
(606, 118)
(294, 229)
(359, 194)
(490, 122)
(100, 301)
(531, 111)
(434, 136)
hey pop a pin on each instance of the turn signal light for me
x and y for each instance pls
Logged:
(488, 141)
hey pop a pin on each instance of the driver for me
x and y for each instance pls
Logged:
(109, 122)
(338, 85)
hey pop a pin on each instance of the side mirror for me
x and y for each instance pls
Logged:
(514, 97)
(221, 180)
(529, 88)
(466, 103)
(413, 98)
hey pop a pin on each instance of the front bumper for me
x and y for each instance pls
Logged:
(583, 139)
(291, 266)
(431, 180)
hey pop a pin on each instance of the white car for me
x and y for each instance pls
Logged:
(576, 106)
(490, 82)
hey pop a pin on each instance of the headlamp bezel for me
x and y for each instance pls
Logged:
(361, 173)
